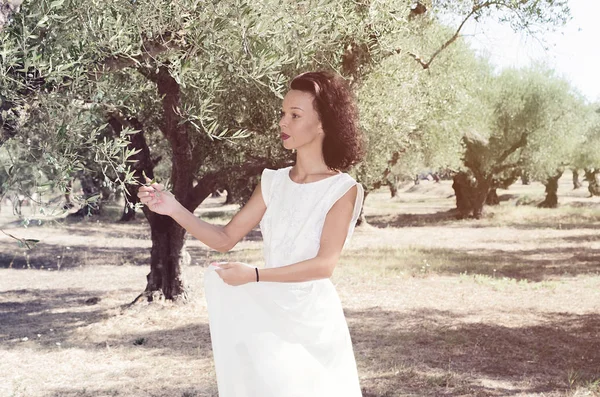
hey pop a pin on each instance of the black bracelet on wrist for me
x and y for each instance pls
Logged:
(257, 279)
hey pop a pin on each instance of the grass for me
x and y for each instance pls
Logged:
(507, 305)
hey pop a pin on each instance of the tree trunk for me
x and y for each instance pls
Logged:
(576, 181)
(168, 254)
(480, 194)
(393, 188)
(91, 187)
(462, 184)
(525, 179)
(470, 194)
(230, 197)
(361, 218)
(591, 176)
(551, 200)
(492, 197)
(68, 203)
(143, 163)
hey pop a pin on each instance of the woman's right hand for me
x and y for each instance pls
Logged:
(157, 199)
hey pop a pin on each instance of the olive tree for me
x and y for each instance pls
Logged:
(587, 154)
(535, 125)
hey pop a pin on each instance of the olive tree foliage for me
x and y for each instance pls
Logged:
(47, 132)
(415, 119)
(536, 122)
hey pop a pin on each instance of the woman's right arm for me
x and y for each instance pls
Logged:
(220, 238)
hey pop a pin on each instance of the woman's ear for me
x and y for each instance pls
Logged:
(320, 129)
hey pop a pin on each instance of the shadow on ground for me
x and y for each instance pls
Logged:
(432, 353)
(420, 352)
(532, 264)
(165, 391)
(442, 218)
(53, 314)
(52, 256)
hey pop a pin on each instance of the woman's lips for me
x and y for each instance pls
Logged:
(284, 136)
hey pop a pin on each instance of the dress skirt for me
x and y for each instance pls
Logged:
(280, 339)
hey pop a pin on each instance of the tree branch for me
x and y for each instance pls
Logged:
(211, 181)
(517, 145)
(149, 51)
(169, 91)
(454, 36)
(476, 8)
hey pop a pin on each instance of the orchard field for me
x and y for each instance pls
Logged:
(508, 305)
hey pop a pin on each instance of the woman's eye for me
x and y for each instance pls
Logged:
(294, 116)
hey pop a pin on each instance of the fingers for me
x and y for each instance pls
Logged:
(150, 195)
(147, 197)
(225, 266)
(220, 271)
(156, 186)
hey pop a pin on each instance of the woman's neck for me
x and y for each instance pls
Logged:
(308, 166)
(309, 163)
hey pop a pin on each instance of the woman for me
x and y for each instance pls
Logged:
(279, 331)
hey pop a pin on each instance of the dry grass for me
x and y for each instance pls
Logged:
(505, 306)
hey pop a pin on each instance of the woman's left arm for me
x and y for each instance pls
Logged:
(333, 236)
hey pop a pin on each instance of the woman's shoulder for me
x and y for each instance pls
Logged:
(347, 178)
(273, 171)
(276, 170)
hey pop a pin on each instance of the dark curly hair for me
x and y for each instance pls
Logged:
(343, 145)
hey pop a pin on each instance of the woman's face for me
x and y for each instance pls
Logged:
(300, 125)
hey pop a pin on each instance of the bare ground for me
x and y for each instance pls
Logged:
(505, 306)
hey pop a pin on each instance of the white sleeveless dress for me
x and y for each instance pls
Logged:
(285, 339)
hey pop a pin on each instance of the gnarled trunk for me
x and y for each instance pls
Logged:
(492, 197)
(576, 181)
(462, 185)
(591, 176)
(551, 200)
(471, 195)
(168, 254)
(480, 194)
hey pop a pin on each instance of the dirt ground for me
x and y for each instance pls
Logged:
(505, 306)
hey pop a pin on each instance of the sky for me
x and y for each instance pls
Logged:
(573, 50)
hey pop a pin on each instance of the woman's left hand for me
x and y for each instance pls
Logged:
(235, 273)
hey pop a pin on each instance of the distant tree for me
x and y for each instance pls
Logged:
(576, 181)
(535, 125)
(587, 155)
